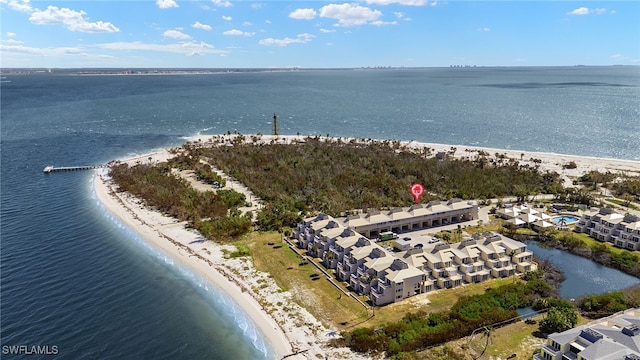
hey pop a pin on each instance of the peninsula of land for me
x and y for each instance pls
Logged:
(289, 328)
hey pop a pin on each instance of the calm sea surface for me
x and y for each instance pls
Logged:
(75, 278)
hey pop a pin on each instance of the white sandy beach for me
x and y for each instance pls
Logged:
(287, 327)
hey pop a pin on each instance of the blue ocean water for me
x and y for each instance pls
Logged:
(73, 277)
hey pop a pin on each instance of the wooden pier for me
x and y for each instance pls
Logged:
(50, 169)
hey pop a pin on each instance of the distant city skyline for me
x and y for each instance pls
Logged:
(317, 34)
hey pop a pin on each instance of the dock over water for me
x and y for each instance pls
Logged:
(50, 169)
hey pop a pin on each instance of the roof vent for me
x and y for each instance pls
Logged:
(631, 330)
(590, 335)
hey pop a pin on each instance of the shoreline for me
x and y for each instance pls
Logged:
(548, 161)
(287, 329)
(142, 222)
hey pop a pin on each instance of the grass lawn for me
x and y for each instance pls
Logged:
(592, 243)
(517, 338)
(308, 285)
(622, 203)
(493, 225)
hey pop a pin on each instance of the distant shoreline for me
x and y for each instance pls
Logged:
(214, 71)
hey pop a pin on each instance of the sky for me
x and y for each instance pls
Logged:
(316, 34)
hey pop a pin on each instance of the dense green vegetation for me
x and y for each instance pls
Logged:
(336, 176)
(621, 185)
(215, 215)
(558, 319)
(420, 330)
(597, 306)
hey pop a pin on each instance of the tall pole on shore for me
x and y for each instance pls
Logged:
(275, 124)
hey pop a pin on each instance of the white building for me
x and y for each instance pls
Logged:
(606, 225)
(389, 277)
(616, 337)
(418, 216)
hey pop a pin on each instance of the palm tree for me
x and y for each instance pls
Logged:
(563, 222)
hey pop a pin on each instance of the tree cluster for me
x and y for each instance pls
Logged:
(336, 176)
(596, 306)
(420, 330)
(215, 215)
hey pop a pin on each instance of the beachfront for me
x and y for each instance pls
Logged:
(285, 334)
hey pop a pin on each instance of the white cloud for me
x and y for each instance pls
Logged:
(300, 39)
(303, 14)
(350, 14)
(166, 4)
(73, 20)
(400, 2)
(579, 11)
(12, 41)
(10, 34)
(226, 18)
(404, 2)
(175, 34)
(586, 11)
(484, 29)
(186, 48)
(222, 3)
(619, 58)
(401, 15)
(199, 25)
(257, 5)
(268, 21)
(19, 5)
(327, 30)
(247, 23)
(47, 52)
(235, 32)
(383, 23)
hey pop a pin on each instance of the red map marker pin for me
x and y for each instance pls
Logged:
(417, 190)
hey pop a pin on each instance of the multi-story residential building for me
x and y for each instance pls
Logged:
(388, 276)
(418, 216)
(616, 337)
(397, 282)
(606, 225)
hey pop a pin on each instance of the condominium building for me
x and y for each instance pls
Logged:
(608, 226)
(418, 216)
(388, 277)
(616, 337)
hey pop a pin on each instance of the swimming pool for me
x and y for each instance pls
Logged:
(568, 219)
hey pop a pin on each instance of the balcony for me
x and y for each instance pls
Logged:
(383, 286)
(550, 350)
(466, 269)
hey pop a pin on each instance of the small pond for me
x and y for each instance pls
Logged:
(583, 276)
